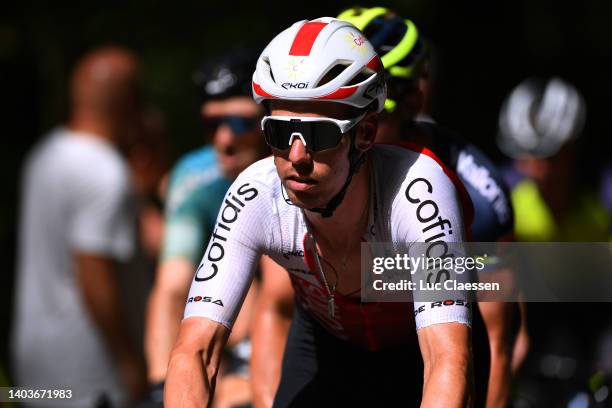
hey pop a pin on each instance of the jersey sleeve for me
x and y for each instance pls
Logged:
(429, 220)
(240, 235)
(494, 217)
(103, 219)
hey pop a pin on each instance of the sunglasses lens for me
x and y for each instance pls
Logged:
(328, 136)
(239, 125)
(277, 134)
(317, 135)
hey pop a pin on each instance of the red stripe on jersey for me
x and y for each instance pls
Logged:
(259, 91)
(308, 256)
(306, 36)
(375, 64)
(464, 197)
(340, 93)
(372, 326)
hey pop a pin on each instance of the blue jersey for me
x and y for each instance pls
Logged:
(493, 215)
(195, 192)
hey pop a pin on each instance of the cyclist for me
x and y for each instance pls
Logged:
(197, 185)
(541, 126)
(327, 188)
(405, 57)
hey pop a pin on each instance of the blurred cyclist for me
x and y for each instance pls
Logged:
(326, 189)
(197, 185)
(405, 57)
(540, 126)
(540, 123)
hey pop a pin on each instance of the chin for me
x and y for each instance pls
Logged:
(305, 200)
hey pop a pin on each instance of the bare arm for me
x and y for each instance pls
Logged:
(242, 326)
(273, 314)
(447, 358)
(522, 343)
(164, 314)
(194, 363)
(500, 320)
(101, 295)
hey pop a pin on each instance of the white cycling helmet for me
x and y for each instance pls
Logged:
(324, 59)
(539, 118)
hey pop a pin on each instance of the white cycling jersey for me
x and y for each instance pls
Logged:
(415, 199)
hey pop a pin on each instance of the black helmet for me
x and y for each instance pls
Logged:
(226, 75)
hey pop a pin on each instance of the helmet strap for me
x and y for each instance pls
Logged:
(356, 159)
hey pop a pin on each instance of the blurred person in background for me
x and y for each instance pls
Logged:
(147, 156)
(197, 185)
(540, 123)
(77, 225)
(540, 127)
(146, 152)
(405, 56)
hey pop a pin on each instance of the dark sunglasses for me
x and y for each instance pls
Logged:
(316, 133)
(239, 125)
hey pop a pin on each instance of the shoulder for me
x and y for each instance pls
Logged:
(193, 175)
(256, 191)
(418, 188)
(494, 216)
(407, 167)
(471, 164)
(408, 160)
(429, 171)
(477, 169)
(88, 146)
(247, 209)
(89, 162)
(264, 169)
(199, 166)
(261, 176)
(196, 159)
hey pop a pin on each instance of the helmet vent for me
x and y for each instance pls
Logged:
(272, 76)
(333, 72)
(267, 62)
(361, 76)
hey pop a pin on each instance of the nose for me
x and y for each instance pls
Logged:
(224, 135)
(298, 152)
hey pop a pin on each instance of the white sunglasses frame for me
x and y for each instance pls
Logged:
(343, 124)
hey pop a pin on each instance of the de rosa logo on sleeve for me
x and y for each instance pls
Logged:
(205, 299)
